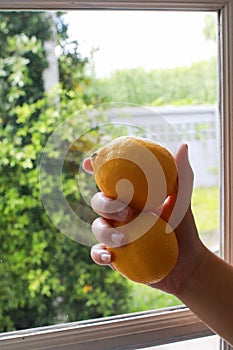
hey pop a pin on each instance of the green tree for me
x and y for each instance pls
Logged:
(209, 29)
(45, 276)
(195, 84)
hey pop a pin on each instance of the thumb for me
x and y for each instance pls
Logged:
(185, 187)
(87, 166)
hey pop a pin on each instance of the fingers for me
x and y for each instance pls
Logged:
(87, 166)
(104, 206)
(107, 234)
(110, 208)
(100, 255)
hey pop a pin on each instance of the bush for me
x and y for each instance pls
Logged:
(45, 276)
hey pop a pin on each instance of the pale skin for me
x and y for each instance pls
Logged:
(200, 279)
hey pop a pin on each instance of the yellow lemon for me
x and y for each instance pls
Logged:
(146, 166)
(142, 174)
(149, 258)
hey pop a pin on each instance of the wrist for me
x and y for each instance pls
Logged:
(195, 277)
(208, 293)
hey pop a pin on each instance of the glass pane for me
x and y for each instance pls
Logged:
(53, 67)
(206, 343)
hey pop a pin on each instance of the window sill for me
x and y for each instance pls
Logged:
(131, 331)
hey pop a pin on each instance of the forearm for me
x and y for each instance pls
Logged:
(209, 294)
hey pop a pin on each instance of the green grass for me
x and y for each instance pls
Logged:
(205, 204)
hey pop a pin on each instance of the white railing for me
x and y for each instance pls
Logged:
(195, 125)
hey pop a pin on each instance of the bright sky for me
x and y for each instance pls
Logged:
(150, 39)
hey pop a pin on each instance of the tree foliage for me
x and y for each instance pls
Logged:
(45, 276)
(195, 84)
(209, 29)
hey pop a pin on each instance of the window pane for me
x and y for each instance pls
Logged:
(149, 59)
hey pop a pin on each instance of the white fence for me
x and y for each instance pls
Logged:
(195, 125)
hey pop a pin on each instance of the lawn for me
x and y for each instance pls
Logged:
(205, 204)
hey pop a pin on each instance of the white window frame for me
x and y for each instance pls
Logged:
(144, 329)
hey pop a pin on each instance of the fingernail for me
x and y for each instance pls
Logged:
(106, 258)
(118, 239)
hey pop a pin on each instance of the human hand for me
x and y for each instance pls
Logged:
(176, 210)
